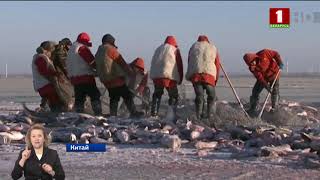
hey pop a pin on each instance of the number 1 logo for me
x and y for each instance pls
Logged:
(279, 17)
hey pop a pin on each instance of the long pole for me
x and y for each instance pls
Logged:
(266, 100)
(234, 92)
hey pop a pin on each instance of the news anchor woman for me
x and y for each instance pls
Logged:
(38, 161)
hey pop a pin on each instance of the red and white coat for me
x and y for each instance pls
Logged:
(39, 80)
(165, 64)
(203, 63)
(80, 64)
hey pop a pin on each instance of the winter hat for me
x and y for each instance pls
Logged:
(65, 41)
(84, 38)
(203, 38)
(39, 50)
(249, 57)
(108, 38)
(48, 45)
(171, 40)
(139, 63)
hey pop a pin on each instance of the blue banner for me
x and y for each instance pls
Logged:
(86, 147)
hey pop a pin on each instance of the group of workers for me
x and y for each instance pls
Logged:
(56, 64)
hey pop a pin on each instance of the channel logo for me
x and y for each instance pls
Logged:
(279, 17)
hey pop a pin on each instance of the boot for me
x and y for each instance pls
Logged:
(132, 108)
(207, 117)
(274, 102)
(155, 106)
(96, 107)
(55, 108)
(210, 105)
(43, 103)
(113, 106)
(173, 102)
(253, 106)
(79, 108)
(146, 97)
(199, 110)
(136, 114)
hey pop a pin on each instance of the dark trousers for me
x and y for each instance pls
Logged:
(115, 94)
(200, 89)
(156, 98)
(91, 90)
(257, 89)
(173, 94)
(52, 99)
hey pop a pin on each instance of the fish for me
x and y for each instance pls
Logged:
(13, 135)
(40, 117)
(4, 140)
(64, 118)
(275, 151)
(205, 145)
(303, 114)
(84, 138)
(68, 134)
(238, 132)
(4, 128)
(171, 141)
(97, 140)
(16, 127)
(65, 137)
(123, 136)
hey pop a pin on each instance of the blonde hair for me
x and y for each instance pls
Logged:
(45, 135)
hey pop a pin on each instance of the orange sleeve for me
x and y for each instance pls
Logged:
(117, 57)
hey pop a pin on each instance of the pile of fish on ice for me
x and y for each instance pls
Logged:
(293, 132)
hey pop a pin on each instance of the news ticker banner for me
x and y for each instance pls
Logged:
(86, 147)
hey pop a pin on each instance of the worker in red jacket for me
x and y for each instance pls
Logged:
(203, 72)
(81, 71)
(166, 72)
(138, 83)
(113, 71)
(264, 65)
(44, 72)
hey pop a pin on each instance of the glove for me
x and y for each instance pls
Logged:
(281, 66)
